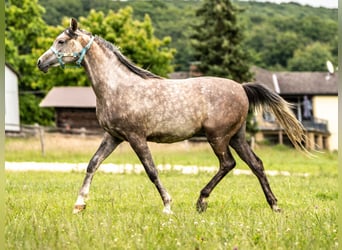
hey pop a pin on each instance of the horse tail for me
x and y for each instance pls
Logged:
(261, 96)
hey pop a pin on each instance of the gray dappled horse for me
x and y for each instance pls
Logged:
(137, 106)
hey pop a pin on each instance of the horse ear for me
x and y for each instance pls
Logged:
(73, 24)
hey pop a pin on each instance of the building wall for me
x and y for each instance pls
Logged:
(12, 121)
(76, 118)
(326, 107)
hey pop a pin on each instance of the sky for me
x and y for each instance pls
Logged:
(314, 3)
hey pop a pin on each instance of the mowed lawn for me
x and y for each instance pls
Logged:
(125, 211)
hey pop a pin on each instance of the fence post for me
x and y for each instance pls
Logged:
(40, 129)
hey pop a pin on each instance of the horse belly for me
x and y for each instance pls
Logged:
(164, 124)
(172, 133)
(176, 123)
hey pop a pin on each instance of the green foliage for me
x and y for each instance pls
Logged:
(170, 18)
(276, 32)
(23, 32)
(135, 38)
(21, 38)
(272, 31)
(270, 47)
(56, 10)
(28, 38)
(31, 102)
(312, 58)
(217, 41)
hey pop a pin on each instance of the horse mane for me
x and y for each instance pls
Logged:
(132, 67)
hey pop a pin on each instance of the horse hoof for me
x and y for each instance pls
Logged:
(79, 208)
(276, 209)
(167, 210)
(201, 206)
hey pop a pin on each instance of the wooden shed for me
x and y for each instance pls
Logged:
(75, 107)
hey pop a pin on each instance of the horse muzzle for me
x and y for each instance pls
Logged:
(42, 66)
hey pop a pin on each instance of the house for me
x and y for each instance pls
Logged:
(12, 119)
(315, 104)
(75, 107)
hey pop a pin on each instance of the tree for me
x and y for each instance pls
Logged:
(312, 58)
(57, 9)
(279, 48)
(217, 41)
(135, 38)
(21, 37)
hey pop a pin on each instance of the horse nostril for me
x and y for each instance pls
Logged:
(38, 62)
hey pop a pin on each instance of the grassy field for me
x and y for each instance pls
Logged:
(124, 210)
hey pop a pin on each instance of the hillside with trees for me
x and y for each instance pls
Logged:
(278, 36)
(290, 36)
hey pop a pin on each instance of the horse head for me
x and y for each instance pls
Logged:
(63, 49)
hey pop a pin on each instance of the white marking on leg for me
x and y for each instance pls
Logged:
(167, 204)
(167, 209)
(83, 194)
(80, 204)
(275, 208)
(80, 200)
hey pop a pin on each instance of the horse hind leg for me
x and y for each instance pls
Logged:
(242, 148)
(106, 147)
(227, 163)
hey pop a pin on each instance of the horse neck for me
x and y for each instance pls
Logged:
(105, 71)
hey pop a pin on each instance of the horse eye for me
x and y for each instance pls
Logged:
(61, 42)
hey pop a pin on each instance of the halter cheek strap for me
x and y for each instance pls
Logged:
(80, 55)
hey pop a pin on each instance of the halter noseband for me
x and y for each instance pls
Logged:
(80, 55)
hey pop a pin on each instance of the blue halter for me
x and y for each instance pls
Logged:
(80, 55)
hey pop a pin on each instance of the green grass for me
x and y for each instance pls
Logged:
(125, 210)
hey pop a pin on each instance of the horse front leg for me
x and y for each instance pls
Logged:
(140, 147)
(107, 146)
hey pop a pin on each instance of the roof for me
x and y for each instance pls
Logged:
(12, 69)
(298, 83)
(78, 97)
